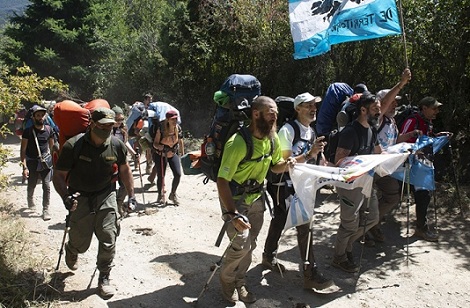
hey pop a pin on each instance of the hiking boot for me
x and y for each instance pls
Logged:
(245, 296)
(104, 287)
(316, 280)
(368, 241)
(71, 259)
(348, 265)
(173, 198)
(377, 233)
(46, 215)
(272, 264)
(426, 234)
(229, 292)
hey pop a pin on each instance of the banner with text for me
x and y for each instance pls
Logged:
(318, 24)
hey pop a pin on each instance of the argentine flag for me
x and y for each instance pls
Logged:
(318, 24)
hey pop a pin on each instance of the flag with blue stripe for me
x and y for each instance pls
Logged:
(318, 24)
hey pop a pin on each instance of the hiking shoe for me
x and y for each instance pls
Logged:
(368, 241)
(229, 292)
(104, 287)
(245, 296)
(316, 281)
(377, 233)
(148, 169)
(426, 234)
(173, 198)
(46, 215)
(160, 198)
(347, 265)
(272, 264)
(71, 259)
(31, 205)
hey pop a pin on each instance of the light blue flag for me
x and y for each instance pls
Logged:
(318, 24)
(422, 169)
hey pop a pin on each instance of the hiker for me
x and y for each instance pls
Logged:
(387, 187)
(168, 145)
(120, 132)
(137, 110)
(357, 138)
(84, 177)
(305, 150)
(238, 199)
(37, 138)
(422, 123)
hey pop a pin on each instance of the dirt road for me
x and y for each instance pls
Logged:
(164, 253)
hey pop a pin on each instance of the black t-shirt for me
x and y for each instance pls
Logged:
(43, 140)
(357, 138)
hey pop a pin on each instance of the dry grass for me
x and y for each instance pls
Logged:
(22, 282)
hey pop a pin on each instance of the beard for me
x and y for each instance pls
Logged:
(38, 122)
(373, 120)
(265, 128)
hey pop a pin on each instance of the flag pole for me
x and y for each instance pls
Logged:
(403, 32)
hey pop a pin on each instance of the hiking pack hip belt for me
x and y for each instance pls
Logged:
(248, 187)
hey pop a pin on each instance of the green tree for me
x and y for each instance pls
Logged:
(68, 39)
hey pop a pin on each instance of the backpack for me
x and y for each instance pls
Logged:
(404, 112)
(71, 118)
(285, 107)
(232, 115)
(333, 139)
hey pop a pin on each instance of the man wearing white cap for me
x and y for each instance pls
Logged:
(298, 140)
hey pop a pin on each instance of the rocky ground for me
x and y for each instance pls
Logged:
(165, 253)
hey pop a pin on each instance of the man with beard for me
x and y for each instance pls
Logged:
(39, 137)
(240, 185)
(357, 138)
(85, 177)
(304, 148)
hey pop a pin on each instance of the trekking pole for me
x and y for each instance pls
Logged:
(456, 181)
(363, 240)
(140, 176)
(309, 243)
(162, 170)
(61, 251)
(217, 265)
(408, 203)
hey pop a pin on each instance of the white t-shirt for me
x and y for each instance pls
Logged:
(287, 134)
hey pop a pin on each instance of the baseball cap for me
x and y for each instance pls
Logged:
(117, 110)
(37, 108)
(103, 115)
(306, 97)
(381, 94)
(429, 101)
(172, 114)
(360, 88)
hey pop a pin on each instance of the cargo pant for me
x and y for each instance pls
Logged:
(95, 214)
(239, 254)
(352, 206)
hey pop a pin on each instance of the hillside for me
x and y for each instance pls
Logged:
(9, 7)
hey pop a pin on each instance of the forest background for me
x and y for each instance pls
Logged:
(182, 51)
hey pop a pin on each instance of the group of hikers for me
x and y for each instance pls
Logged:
(89, 166)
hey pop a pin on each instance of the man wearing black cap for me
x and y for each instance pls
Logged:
(421, 124)
(37, 137)
(85, 177)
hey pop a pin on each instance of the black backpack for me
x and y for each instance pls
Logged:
(229, 118)
(403, 113)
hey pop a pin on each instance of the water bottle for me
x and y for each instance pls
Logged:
(210, 148)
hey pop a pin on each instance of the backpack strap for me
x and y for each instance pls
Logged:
(246, 135)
